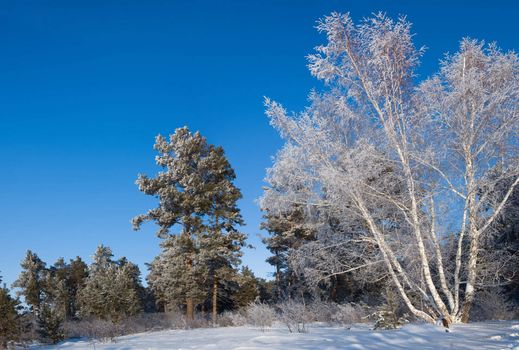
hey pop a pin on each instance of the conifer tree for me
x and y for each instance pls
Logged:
(248, 290)
(62, 283)
(171, 282)
(50, 324)
(9, 318)
(221, 243)
(288, 230)
(78, 273)
(31, 281)
(390, 314)
(179, 188)
(196, 194)
(56, 289)
(112, 288)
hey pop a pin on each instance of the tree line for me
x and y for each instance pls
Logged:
(198, 268)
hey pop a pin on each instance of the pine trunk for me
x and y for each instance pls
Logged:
(190, 309)
(215, 279)
(215, 299)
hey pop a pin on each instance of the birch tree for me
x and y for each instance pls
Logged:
(417, 162)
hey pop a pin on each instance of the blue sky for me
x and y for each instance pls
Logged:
(87, 85)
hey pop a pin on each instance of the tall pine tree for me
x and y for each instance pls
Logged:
(195, 194)
(31, 281)
(221, 242)
(180, 190)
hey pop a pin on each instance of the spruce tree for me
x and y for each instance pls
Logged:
(390, 314)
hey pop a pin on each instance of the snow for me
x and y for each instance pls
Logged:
(485, 335)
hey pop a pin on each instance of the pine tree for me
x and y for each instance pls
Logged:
(50, 325)
(9, 319)
(221, 243)
(56, 294)
(248, 290)
(31, 281)
(288, 230)
(180, 191)
(111, 289)
(78, 273)
(171, 282)
(195, 193)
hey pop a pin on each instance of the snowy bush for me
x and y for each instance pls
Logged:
(295, 315)
(322, 311)
(94, 329)
(347, 314)
(102, 330)
(145, 322)
(228, 318)
(260, 315)
(336, 314)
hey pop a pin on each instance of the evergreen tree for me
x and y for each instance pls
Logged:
(50, 325)
(112, 288)
(56, 296)
(248, 290)
(196, 194)
(506, 240)
(221, 243)
(78, 273)
(9, 317)
(267, 290)
(169, 279)
(62, 283)
(31, 281)
(288, 230)
(180, 190)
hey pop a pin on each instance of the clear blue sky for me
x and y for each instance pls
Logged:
(86, 85)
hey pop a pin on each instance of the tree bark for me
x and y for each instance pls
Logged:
(190, 309)
(215, 299)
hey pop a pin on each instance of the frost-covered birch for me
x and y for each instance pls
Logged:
(414, 164)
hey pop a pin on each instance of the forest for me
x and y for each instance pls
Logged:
(394, 199)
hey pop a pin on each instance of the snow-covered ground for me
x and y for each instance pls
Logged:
(487, 335)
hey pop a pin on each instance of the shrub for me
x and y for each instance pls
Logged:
(228, 318)
(347, 314)
(260, 315)
(295, 315)
(94, 329)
